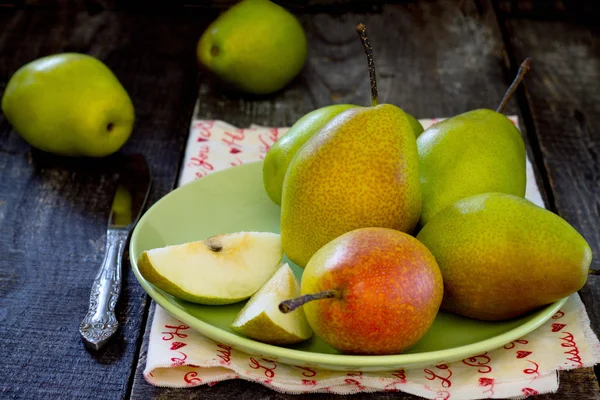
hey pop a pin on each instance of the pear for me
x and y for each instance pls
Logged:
(360, 170)
(69, 104)
(222, 269)
(475, 152)
(502, 256)
(280, 155)
(261, 320)
(416, 125)
(256, 46)
(370, 291)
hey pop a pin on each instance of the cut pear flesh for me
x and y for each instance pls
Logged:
(261, 320)
(222, 269)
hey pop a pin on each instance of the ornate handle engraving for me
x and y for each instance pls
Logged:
(101, 323)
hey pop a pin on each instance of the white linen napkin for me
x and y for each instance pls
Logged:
(180, 357)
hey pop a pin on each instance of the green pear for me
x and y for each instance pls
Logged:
(69, 104)
(370, 291)
(261, 320)
(475, 152)
(222, 269)
(416, 125)
(256, 46)
(502, 256)
(360, 170)
(280, 155)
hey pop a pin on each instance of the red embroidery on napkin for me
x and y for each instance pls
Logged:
(309, 382)
(235, 150)
(559, 314)
(557, 327)
(232, 139)
(400, 374)
(481, 361)
(171, 335)
(308, 372)
(224, 353)
(445, 380)
(401, 379)
(268, 141)
(204, 129)
(355, 383)
(511, 345)
(569, 342)
(179, 361)
(190, 377)
(487, 383)
(529, 392)
(522, 353)
(200, 161)
(177, 345)
(441, 395)
(532, 371)
(269, 369)
(236, 162)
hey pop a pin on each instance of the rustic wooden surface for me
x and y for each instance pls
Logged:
(53, 211)
(434, 58)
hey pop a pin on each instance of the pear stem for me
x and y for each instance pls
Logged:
(361, 29)
(525, 66)
(287, 306)
(594, 271)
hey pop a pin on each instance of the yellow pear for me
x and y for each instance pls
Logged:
(360, 170)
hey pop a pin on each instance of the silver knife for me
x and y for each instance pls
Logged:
(133, 188)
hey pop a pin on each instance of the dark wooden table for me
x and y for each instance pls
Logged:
(435, 58)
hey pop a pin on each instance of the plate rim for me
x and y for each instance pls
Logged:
(333, 360)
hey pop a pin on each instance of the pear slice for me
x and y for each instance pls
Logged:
(261, 320)
(222, 269)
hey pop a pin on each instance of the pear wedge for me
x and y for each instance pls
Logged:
(261, 320)
(222, 269)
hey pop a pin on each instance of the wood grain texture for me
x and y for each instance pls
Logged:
(432, 58)
(53, 210)
(563, 94)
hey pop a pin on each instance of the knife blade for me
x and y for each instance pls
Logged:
(133, 187)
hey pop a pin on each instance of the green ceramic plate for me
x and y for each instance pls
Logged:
(234, 200)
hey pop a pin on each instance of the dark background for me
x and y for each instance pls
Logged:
(434, 59)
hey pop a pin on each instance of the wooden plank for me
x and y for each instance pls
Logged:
(53, 211)
(434, 60)
(576, 11)
(563, 93)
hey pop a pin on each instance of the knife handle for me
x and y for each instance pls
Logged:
(101, 323)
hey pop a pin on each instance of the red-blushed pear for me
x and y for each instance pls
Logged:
(370, 291)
